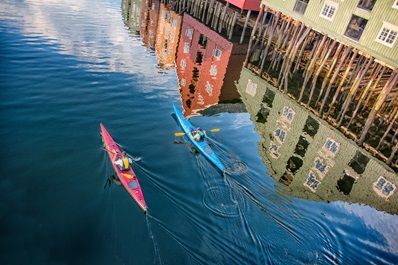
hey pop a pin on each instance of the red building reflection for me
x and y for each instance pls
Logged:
(149, 22)
(207, 66)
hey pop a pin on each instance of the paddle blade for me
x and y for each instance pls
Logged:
(215, 130)
(179, 134)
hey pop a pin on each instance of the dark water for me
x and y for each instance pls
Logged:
(65, 66)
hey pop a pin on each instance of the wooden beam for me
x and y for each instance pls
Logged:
(392, 81)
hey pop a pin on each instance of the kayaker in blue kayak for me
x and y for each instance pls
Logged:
(123, 162)
(198, 134)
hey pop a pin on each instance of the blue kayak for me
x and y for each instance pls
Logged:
(202, 146)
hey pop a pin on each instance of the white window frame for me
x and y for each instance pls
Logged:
(379, 191)
(288, 114)
(329, 4)
(251, 88)
(277, 136)
(325, 148)
(395, 4)
(217, 53)
(187, 47)
(189, 33)
(390, 27)
(311, 174)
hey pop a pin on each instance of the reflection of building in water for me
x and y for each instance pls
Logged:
(340, 59)
(131, 10)
(149, 22)
(169, 23)
(207, 65)
(308, 156)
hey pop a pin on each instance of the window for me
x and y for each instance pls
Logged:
(189, 33)
(274, 150)
(202, 40)
(388, 34)
(312, 182)
(329, 10)
(300, 6)
(217, 53)
(383, 187)
(288, 113)
(209, 88)
(183, 82)
(186, 47)
(321, 166)
(183, 64)
(366, 4)
(199, 58)
(280, 135)
(251, 88)
(395, 4)
(213, 70)
(331, 146)
(201, 100)
(355, 28)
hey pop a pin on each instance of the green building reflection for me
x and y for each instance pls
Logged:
(308, 157)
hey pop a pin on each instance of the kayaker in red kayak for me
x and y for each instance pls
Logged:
(123, 162)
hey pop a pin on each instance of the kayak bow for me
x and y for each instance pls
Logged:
(202, 146)
(127, 178)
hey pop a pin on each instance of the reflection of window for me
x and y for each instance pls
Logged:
(355, 27)
(189, 33)
(395, 4)
(331, 145)
(209, 88)
(329, 10)
(280, 135)
(383, 187)
(201, 100)
(163, 14)
(186, 47)
(288, 113)
(174, 23)
(183, 64)
(217, 53)
(202, 40)
(366, 4)
(388, 34)
(321, 166)
(300, 6)
(251, 88)
(213, 70)
(274, 149)
(183, 82)
(312, 182)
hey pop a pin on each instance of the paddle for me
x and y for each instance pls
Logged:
(135, 159)
(182, 133)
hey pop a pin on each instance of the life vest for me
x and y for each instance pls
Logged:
(126, 163)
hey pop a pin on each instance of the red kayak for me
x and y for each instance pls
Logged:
(126, 177)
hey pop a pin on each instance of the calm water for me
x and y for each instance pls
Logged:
(65, 66)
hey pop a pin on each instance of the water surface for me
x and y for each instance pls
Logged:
(68, 65)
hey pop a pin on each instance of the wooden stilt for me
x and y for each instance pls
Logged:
(253, 34)
(231, 31)
(380, 100)
(372, 79)
(389, 128)
(242, 36)
(353, 90)
(346, 72)
(393, 152)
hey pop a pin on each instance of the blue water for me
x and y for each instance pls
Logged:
(65, 66)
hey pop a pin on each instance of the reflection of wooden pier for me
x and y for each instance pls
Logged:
(221, 16)
(351, 89)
